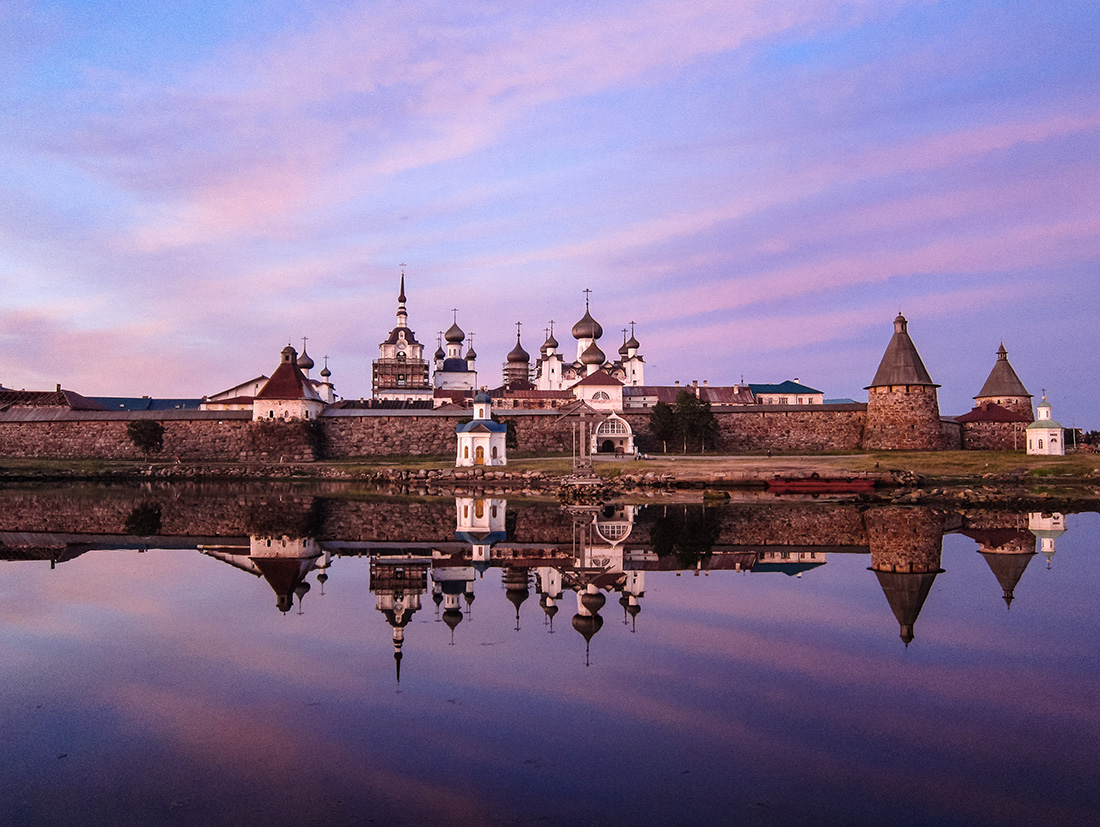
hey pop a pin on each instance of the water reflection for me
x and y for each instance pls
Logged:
(430, 656)
(600, 554)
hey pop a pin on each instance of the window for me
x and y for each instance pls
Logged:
(466, 452)
(601, 395)
(1040, 443)
(494, 452)
(613, 426)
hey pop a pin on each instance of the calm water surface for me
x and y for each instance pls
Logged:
(281, 658)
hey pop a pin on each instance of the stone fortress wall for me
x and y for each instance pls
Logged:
(902, 413)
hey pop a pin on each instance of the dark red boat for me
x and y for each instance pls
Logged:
(816, 484)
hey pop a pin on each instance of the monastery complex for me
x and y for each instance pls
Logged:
(422, 406)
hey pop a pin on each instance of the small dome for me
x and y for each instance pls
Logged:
(593, 355)
(454, 334)
(440, 353)
(471, 354)
(518, 354)
(452, 617)
(587, 327)
(624, 349)
(304, 362)
(551, 343)
(587, 625)
(632, 342)
(325, 372)
(483, 398)
(593, 601)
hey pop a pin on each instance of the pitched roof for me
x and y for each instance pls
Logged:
(145, 403)
(990, 412)
(53, 399)
(599, 377)
(288, 381)
(788, 386)
(1002, 380)
(901, 364)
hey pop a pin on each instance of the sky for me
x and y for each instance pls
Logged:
(186, 186)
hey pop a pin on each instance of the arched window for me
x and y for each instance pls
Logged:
(466, 452)
(494, 452)
(1040, 443)
(613, 426)
(601, 395)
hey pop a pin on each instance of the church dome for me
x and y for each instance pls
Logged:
(587, 327)
(471, 354)
(633, 343)
(440, 353)
(304, 362)
(482, 398)
(624, 349)
(325, 372)
(454, 334)
(593, 601)
(550, 344)
(518, 354)
(593, 355)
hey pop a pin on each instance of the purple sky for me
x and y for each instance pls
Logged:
(761, 186)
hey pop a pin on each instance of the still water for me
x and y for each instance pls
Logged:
(273, 656)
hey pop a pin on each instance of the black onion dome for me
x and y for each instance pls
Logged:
(471, 354)
(518, 354)
(593, 601)
(587, 327)
(624, 349)
(593, 355)
(632, 342)
(551, 343)
(304, 362)
(325, 372)
(454, 334)
(440, 353)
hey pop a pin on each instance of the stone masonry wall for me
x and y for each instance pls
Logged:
(994, 436)
(754, 431)
(903, 418)
(187, 439)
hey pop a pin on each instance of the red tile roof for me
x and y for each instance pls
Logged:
(991, 412)
(288, 381)
(599, 377)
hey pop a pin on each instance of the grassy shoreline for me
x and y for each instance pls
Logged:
(732, 470)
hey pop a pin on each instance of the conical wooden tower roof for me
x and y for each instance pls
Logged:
(901, 364)
(1002, 380)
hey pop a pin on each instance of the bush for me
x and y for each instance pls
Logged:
(147, 435)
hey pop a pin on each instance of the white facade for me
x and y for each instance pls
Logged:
(1045, 437)
(481, 441)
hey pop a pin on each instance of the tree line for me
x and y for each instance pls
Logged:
(687, 425)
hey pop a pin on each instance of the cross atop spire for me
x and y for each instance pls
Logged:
(586, 292)
(454, 311)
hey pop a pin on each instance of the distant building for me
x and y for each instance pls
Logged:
(288, 394)
(482, 440)
(790, 392)
(1045, 435)
(401, 371)
(455, 374)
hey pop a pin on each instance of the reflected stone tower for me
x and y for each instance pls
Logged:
(905, 557)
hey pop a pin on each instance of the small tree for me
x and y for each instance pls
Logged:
(662, 422)
(147, 435)
(695, 422)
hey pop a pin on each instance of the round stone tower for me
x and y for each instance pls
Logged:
(903, 411)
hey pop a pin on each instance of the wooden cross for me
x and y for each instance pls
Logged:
(586, 292)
